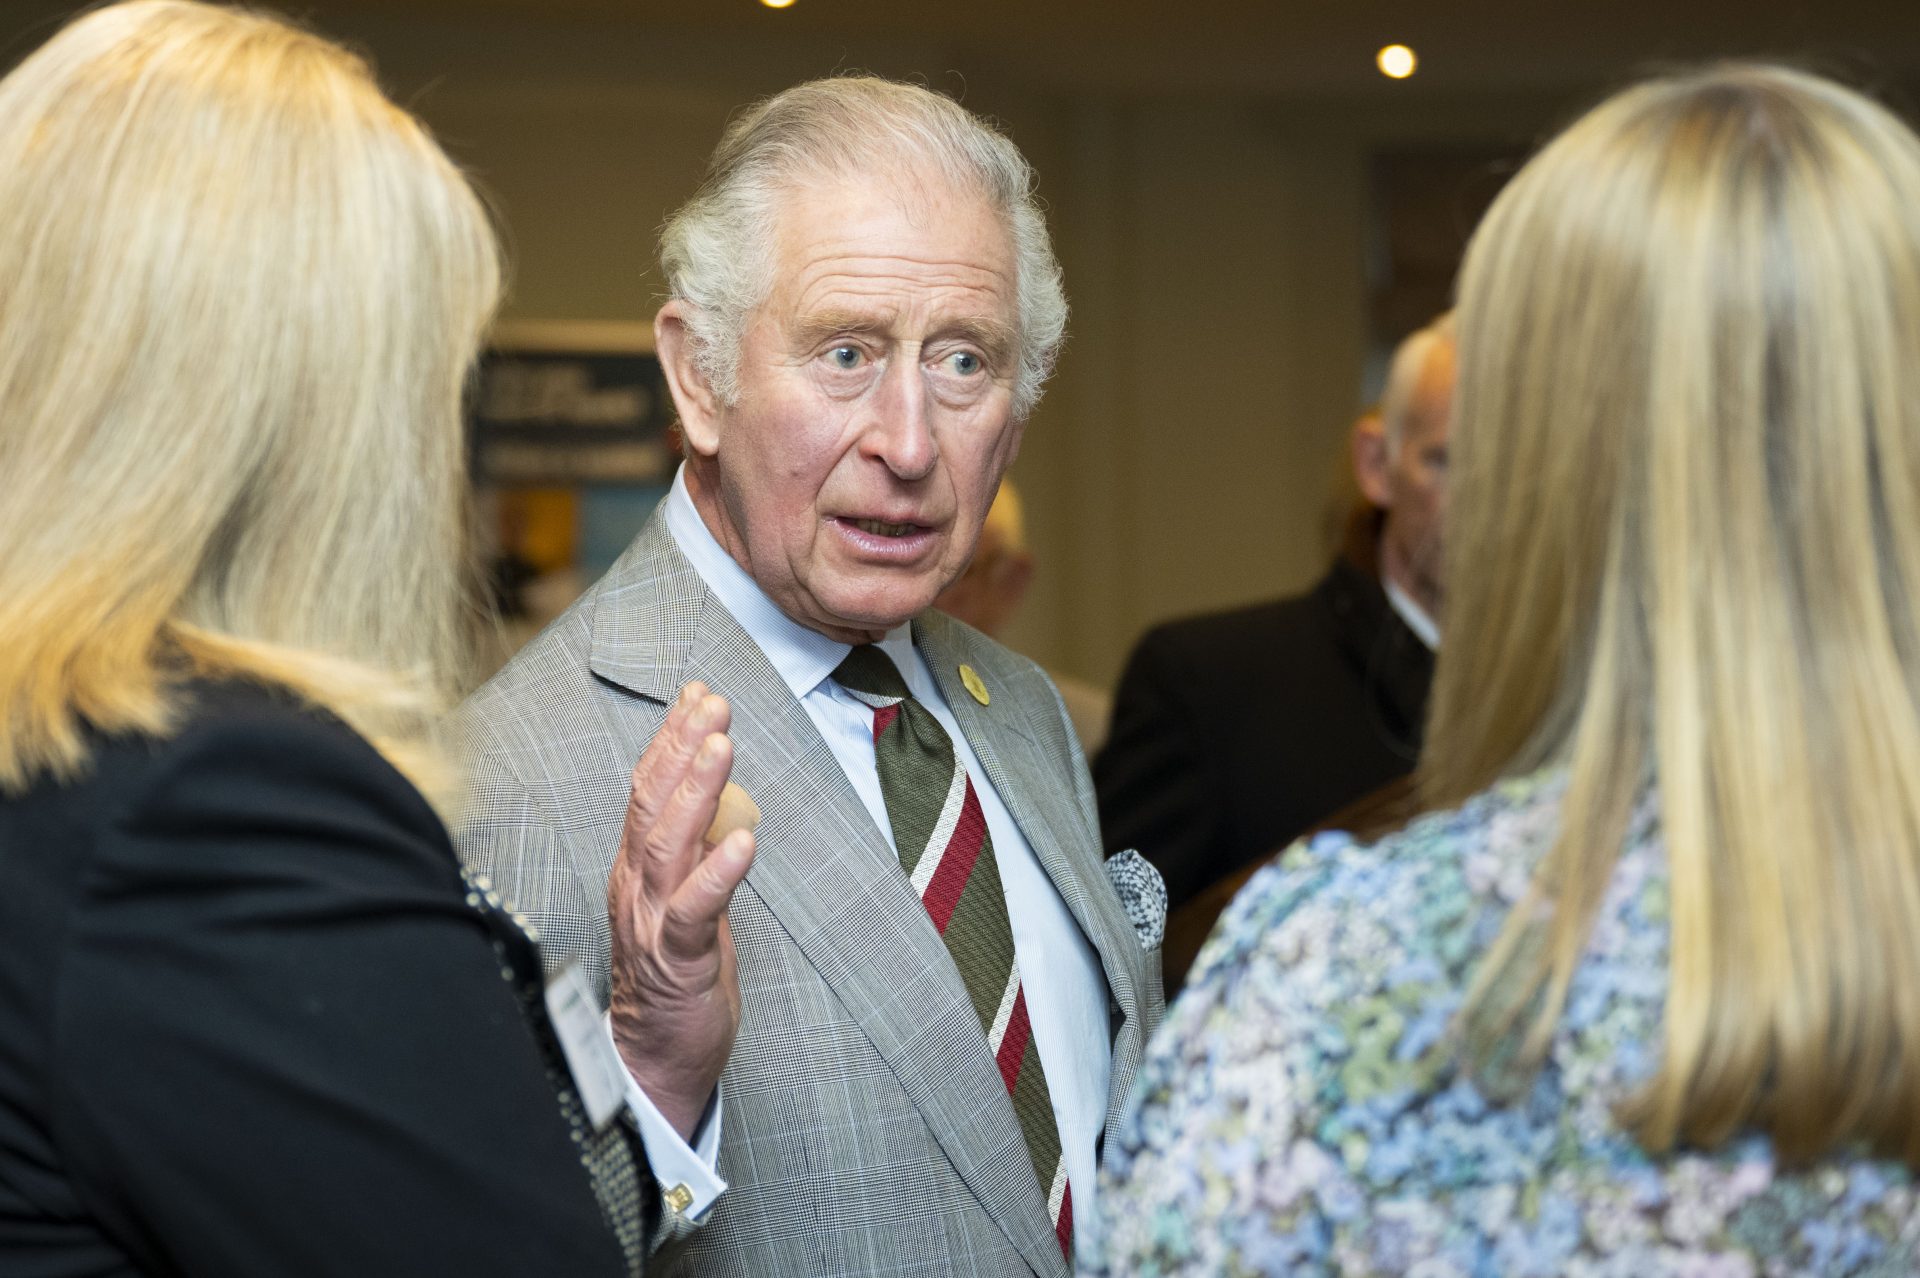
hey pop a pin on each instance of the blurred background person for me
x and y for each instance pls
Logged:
(989, 592)
(1636, 1000)
(1400, 464)
(1235, 732)
(252, 1018)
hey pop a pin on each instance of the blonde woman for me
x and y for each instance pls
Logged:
(1638, 999)
(252, 1020)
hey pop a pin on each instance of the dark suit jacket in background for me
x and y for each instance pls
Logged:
(1234, 733)
(251, 1024)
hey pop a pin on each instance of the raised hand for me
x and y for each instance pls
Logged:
(675, 994)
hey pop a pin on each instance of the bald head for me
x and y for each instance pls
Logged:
(1400, 461)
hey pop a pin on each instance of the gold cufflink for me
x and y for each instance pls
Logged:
(679, 1198)
(974, 684)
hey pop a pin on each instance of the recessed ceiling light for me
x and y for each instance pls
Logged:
(777, 4)
(1396, 61)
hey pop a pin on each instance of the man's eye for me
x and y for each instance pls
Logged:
(965, 363)
(847, 357)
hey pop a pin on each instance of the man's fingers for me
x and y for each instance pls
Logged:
(667, 755)
(674, 842)
(690, 926)
(669, 762)
(673, 798)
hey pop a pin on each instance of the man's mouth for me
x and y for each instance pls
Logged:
(881, 528)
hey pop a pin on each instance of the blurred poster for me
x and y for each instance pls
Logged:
(571, 404)
(572, 449)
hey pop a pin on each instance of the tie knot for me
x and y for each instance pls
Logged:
(870, 672)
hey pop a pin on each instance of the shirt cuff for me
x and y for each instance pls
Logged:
(688, 1175)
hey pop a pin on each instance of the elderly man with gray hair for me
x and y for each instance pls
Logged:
(927, 990)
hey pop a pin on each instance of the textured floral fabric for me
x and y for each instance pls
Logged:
(1302, 1110)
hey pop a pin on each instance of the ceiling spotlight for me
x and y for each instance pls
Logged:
(1396, 61)
(777, 4)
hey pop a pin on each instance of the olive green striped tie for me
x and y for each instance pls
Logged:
(941, 834)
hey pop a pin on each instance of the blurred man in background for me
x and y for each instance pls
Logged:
(1235, 732)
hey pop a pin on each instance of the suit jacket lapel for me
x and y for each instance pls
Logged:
(828, 875)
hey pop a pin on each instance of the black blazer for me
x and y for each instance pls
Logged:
(253, 1022)
(1234, 733)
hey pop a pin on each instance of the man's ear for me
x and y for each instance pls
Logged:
(693, 395)
(1371, 469)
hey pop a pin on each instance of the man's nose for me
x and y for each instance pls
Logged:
(900, 432)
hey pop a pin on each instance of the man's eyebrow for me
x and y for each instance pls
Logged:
(817, 325)
(993, 336)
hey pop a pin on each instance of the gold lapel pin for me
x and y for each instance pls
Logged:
(974, 684)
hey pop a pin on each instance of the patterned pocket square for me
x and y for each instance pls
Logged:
(1144, 894)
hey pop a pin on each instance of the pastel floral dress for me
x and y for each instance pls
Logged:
(1302, 1110)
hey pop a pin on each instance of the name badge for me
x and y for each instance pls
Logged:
(598, 1074)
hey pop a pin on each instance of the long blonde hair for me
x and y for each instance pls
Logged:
(1684, 553)
(239, 293)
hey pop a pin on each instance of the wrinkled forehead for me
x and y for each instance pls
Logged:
(915, 238)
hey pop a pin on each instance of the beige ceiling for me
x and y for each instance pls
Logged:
(1273, 45)
(1238, 47)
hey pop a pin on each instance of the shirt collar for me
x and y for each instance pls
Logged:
(1417, 618)
(802, 657)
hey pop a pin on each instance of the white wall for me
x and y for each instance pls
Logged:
(1181, 462)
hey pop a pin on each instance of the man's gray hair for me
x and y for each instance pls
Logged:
(1404, 374)
(717, 249)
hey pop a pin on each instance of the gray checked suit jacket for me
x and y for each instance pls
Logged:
(866, 1128)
